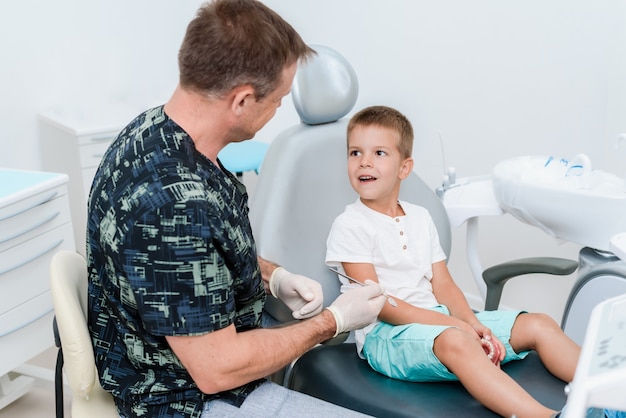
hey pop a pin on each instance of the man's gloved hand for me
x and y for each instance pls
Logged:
(358, 307)
(302, 295)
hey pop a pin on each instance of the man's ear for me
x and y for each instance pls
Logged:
(407, 167)
(240, 96)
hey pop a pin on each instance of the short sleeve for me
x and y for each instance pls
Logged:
(348, 241)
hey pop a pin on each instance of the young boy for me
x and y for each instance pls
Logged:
(432, 334)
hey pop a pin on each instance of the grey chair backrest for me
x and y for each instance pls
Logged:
(303, 185)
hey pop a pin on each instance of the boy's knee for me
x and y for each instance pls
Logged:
(451, 342)
(537, 322)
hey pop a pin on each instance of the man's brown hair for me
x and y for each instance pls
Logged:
(237, 42)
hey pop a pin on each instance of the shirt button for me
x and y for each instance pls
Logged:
(404, 247)
(401, 232)
(397, 219)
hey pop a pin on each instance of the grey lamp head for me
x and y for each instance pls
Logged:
(325, 87)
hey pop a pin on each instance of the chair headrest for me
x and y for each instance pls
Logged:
(325, 87)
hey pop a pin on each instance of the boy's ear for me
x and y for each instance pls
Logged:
(407, 167)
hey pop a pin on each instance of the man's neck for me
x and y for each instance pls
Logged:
(205, 120)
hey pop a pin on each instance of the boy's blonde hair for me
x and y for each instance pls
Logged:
(386, 117)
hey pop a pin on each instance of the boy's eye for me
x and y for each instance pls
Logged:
(381, 153)
(354, 153)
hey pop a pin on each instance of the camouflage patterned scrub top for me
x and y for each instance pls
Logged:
(170, 252)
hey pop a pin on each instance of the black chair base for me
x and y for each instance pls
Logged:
(336, 374)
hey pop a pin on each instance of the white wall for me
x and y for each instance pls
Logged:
(87, 55)
(495, 79)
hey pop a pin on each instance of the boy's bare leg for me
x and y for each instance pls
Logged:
(557, 351)
(465, 357)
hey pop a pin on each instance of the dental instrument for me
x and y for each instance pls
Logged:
(391, 300)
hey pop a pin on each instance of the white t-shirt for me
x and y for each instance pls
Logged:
(402, 250)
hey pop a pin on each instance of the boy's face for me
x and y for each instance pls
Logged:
(375, 165)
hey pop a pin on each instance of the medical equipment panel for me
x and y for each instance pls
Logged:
(601, 372)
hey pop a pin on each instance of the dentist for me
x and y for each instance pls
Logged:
(176, 290)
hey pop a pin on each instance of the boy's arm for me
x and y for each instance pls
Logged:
(448, 293)
(404, 313)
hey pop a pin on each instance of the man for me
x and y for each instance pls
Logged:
(176, 289)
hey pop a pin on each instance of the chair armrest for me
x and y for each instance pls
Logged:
(495, 277)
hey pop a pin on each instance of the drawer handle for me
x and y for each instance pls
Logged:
(98, 155)
(30, 227)
(45, 199)
(28, 322)
(36, 256)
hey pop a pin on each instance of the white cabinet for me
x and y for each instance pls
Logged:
(74, 142)
(35, 223)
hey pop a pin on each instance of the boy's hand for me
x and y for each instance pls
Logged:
(493, 346)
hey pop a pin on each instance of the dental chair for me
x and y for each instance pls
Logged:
(301, 188)
(68, 284)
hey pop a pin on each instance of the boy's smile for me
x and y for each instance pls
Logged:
(366, 178)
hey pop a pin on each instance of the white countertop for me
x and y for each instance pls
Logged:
(18, 184)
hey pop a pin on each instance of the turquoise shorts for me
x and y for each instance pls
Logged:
(405, 352)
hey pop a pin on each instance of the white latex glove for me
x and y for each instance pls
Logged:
(358, 307)
(302, 295)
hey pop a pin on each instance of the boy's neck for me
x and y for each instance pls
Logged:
(392, 209)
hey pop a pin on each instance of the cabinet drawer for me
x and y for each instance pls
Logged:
(26, 313)
(24, 268)
(90, 155)
(25, 343)
(30, 201)
(31, 222)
